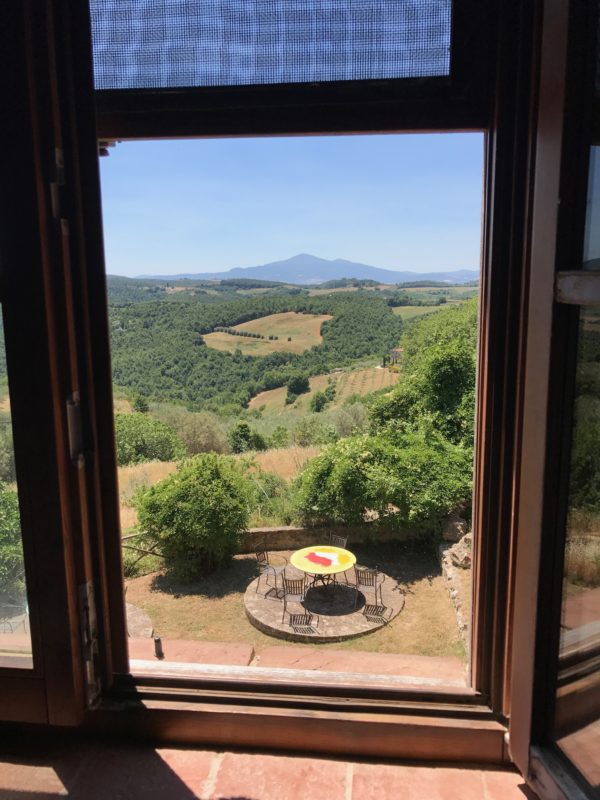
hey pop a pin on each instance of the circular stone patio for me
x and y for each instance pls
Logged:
(328, 613)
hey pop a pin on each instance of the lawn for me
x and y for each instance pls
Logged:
(303, 329)
(355, 382)
(212, 609)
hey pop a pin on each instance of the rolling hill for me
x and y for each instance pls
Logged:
(305, 269)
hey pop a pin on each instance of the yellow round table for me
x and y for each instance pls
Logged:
(323, 561)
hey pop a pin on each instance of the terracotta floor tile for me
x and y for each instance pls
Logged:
(192, 767)
(194, 652)
(132, 773)
(386, 782)
(501, 784)
(20, 781)
(261, 777)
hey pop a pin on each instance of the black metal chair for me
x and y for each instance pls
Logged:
(265, 568)
(370, 579)
(294, 591)
(339, 541)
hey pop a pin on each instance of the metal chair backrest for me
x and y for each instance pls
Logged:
(293, 586)
(262, 557)
(338, 541)
(365, 576)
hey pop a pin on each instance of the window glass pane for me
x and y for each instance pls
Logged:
(578, 694)
(591, 241)
(183, 43)
(15, 637)
(294, 327)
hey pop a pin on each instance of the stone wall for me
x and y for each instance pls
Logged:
(289, 537)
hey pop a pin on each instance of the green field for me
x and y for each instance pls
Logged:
(410, 312)
(303, 329)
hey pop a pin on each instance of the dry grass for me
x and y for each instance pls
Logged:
(213, 608)
(122, 406)
(304, 330)
(5, 404)
(358, 382)
(132, 478)
(582, 561)
(287, 461)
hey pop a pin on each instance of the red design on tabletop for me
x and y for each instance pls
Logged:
(317, 559)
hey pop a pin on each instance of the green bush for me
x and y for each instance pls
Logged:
(409, 480)
(585, 466)
(311, 431)
(12, 578)
(438, 376)
(296, 384)
(141, 404)
(272, 502)
(140, 437)
(279, 438)
(7, 453)
(200, 432)
(318, 402)
(243, 438)
(197, 515)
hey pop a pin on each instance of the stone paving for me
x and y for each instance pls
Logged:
(329, 613)
(88, 770)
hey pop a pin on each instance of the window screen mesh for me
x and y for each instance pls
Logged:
(147, 44)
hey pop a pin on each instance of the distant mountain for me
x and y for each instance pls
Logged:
(305, 269)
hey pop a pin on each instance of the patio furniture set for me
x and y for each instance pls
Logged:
(320, 565)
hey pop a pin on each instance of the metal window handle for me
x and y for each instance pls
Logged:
(75, 430)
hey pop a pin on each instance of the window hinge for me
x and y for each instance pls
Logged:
(57, 182)
(75, 430)
(89, 643)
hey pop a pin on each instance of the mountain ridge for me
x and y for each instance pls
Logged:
(306, 269)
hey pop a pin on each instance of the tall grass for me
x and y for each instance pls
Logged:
(286, 462)
(582, 561)
(134, 477)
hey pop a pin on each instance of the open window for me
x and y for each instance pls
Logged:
(69, 504)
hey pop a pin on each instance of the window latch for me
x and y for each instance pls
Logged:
(75, 430)
(89, 643)
(57, 182)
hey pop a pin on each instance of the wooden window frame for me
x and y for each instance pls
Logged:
(556, 291)
(468, 725)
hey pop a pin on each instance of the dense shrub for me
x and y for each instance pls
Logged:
(200, 432)
(409, 480)
(141, 404)
(279, 438)
(243, 438)
(140, 437)
(271, 503)
(197, 515)
(349, 420)
(318, 402)
(12, 580)
(296, 384)
(585, 467)
(438, 376)
(310, 431)
(7, 454)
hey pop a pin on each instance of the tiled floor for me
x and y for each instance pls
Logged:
(92, 771)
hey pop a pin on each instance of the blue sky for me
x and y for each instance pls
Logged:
(406, 202)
